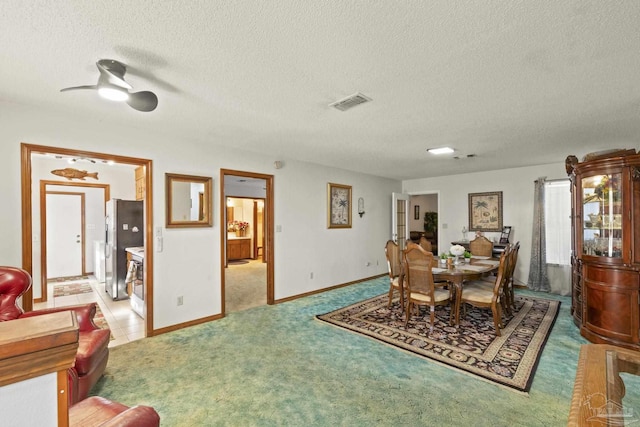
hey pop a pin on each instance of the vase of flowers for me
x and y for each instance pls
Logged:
(457, 251)
(239, 227)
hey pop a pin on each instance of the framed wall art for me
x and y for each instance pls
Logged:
(485, 211)
(339, 206)
(416, 212)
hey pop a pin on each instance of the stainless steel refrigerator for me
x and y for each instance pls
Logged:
(124, 225)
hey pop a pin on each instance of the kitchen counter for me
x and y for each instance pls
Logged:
(136, 250)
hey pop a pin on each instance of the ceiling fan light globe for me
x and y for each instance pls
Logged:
(113, 94)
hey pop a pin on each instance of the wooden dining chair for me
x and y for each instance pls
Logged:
(478, 294)
(394, 265)
(481, 246)
(509, 296)
(419, 284)
(426, 244)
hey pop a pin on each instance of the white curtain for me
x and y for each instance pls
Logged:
(557, 218)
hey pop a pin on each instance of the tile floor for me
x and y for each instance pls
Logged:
(125, 324)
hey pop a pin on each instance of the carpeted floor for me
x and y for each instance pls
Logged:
(509, 359)
(278, 366)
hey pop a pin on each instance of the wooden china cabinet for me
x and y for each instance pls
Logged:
(605, 240)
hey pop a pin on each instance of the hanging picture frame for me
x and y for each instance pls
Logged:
(338, 206)
(485, 211)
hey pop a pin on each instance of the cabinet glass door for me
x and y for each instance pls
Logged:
(602, 215)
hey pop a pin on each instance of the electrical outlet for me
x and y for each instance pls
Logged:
(180, 300)
(311, 275)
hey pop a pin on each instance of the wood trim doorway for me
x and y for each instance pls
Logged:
(267, 250)
(26, 151)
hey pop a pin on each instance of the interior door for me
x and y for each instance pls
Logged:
(400, 218)
(64, 234)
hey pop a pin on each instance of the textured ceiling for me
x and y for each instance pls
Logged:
(516, 83)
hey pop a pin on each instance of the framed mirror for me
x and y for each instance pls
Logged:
(189, 201)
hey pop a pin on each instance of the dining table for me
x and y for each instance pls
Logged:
(458, 274)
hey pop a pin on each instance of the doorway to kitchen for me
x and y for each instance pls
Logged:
(247, 240)
(34, 188)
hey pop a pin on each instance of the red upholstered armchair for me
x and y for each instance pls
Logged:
(93, 352)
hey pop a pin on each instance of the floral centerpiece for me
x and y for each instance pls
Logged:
(240, 227)
(457, 251)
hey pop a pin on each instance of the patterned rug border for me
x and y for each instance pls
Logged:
(535, 345)
(79, 285)
(67, 279)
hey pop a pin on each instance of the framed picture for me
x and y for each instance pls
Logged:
(339, 206)
(485, 211)
(416, 212)
(506, 231)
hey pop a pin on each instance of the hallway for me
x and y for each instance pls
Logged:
(245, 285)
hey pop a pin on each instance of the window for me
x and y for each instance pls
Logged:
(557, 213)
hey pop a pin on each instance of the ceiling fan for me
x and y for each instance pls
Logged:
(111, 85)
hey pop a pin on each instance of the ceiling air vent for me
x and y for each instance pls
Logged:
(350, 102)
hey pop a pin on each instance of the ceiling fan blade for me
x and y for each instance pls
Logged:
(112, 72)
(79, 87)
(143, 101)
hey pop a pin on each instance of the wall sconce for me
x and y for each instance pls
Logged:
(360, 207)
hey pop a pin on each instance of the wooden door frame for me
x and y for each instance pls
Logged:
(26, 171)
(43, 226)
(267, 250)
(255, 221)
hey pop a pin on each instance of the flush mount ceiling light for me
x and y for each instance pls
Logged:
(443, 150)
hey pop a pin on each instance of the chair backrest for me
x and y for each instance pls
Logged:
(392, 253)
(513, 259)
(426, 244)
(418, 275)
(481, 246)
(502, 274)
(14, 282)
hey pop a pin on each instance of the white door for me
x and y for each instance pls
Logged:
(400, 219)
(64, 234)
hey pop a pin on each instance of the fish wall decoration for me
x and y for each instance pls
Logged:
(71, 173)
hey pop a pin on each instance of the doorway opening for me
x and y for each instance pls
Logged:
(93, 196)
(408, 218)
(34, 198)
(247, 240)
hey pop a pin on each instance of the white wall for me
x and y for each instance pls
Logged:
(189, 264)
(517, 198)
(17, 402)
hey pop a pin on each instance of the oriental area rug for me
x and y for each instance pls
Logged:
(473, 347)
(71, 289)
(100, 321)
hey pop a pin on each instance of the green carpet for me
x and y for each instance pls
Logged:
(278, 366)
